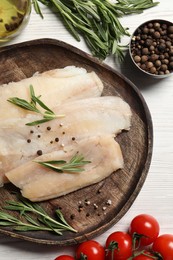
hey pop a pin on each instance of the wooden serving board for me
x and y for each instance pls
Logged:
(120, 188)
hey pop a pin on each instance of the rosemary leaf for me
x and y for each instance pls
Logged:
(27, 222)
(47, 115)
(97, 21)
(73, 166)
(37, 8)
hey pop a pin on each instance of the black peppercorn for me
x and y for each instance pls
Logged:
(171, 65)
(156, 35)
(145, 51)
(156, 25)
(39, 152)
(152, 47)
(170, 29)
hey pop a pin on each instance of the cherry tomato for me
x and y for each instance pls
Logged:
(164, 246)
(146, 228)
(90, 250)
(119, 246)
(64, 257)
(145, 255)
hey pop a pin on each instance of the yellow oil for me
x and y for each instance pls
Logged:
(14, 15)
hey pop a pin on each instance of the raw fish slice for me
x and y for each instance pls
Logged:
(53, 91)
(65, 72)
(86, 111)
(38, 183)
(83, 119)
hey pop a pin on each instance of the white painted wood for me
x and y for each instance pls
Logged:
(156, 196)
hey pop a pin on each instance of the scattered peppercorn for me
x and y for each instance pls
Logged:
(29, 141)
(48, 128)
(152, 47)
(72, 216)
(39, 152)
(56, 139)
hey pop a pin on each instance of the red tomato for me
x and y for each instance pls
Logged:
(90, 250)
(119, 246)
(146, 228)
(164, 246)
(64, 257)
(145, 255)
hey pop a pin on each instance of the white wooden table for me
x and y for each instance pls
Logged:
(156, 196)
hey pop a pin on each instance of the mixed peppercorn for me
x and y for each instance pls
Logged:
(152, 47)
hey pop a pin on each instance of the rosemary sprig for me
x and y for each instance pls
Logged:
(97, 21)
(27, 223)
(73, 166)
(48, 114)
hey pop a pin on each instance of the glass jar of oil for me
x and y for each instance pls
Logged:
(14, 15)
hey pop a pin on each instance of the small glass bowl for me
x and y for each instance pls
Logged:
(14, 16)
(151, 48)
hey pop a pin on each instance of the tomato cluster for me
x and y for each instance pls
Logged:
(141, 242)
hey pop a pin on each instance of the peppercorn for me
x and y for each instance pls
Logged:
(153, 70)
(158, 63)
(143, 66)
(148, 42)
(39, 152)
(164, 26)
(145, 30)
(149, 64)
(156, 25)
(145, 51)
(144, 58)
(154, 57)
(137, 58)
(168, 43)
(150, 25)
(165, 61)
(170, 29)
(164, 67)
(152, 47)
(156, 35)
(171, 65)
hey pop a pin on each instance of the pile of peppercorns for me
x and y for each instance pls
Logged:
(152, 47)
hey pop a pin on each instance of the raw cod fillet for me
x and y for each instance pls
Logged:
(105, 115)
(55, 87)
(38, 183)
